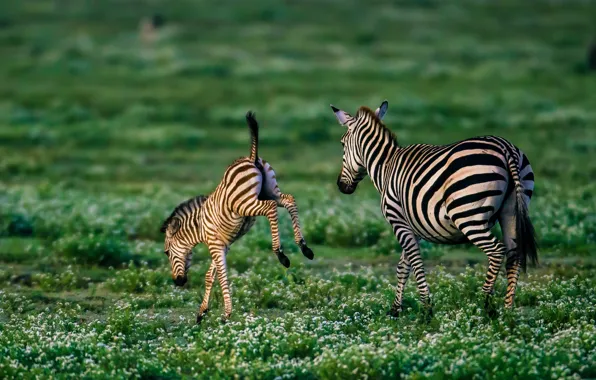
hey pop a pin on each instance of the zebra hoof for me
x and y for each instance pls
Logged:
(428, 315)
(490, 310)
(283, 259)
(200, 316)
(393, 313)
(307, 252)
(225, 318)
(492, 313)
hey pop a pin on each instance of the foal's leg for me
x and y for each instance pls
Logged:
(218, 250)
(288, 202)
(209, 277)
(268, 208)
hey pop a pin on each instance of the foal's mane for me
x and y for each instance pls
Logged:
(190, 203)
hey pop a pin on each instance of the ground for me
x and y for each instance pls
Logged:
(102, 135)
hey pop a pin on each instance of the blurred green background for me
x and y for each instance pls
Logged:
(107, 122)
(86, 104)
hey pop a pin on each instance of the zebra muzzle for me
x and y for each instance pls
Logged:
(345, 188)
(180, 280)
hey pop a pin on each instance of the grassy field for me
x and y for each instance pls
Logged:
(101, 136)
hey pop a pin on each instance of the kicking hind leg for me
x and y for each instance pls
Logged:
(270, 191)
(288, 202)
(268, 208)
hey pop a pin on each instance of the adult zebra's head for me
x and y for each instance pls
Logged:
(182, 231)
(353, 169)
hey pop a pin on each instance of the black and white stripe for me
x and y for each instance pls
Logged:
(447, 194)
(248, 189)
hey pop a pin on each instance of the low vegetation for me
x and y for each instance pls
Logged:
(101, 136)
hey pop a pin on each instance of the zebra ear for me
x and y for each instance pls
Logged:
(341, 116)
(173, 227)
(382, 110)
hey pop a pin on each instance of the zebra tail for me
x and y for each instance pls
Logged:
(527, 246)
(254, 136)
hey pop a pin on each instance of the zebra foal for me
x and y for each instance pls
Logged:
(248, 189)
(448, 194)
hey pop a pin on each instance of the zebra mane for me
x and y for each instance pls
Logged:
(364, 110)
(183, 209)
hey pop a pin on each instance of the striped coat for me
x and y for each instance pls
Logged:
(248, 189)
(447, 194)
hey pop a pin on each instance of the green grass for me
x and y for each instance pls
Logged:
(102, 136)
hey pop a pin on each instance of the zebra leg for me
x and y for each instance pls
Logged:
(288, 202)
(495, 251)
(403, 272)
(218, 255)
(513, 263)
(482, 237)
(266, 208)
(411, 249)
(209, 277)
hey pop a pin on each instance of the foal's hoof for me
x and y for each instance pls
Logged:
(490, 309)
(225, 318)
(427, 313)
(200, 316)
(307, 252)
(393, 313)
(283, 259)
(492, 313)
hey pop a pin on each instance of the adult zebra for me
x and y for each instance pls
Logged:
(446, 194)
(248, 189)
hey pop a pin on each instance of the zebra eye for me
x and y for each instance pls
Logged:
(167, 253)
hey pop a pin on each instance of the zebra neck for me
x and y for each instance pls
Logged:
(194, 232)
(376, 158)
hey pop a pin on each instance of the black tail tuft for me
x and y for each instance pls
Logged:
(254, 135)
(527, 246)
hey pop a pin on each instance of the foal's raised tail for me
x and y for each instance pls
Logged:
(254, 136)
(525, 235)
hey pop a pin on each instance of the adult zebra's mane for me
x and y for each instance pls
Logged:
(183, 209)
(365, 111)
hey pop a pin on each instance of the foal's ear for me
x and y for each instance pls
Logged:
(172, 227)
(382, 110)
(341, 116)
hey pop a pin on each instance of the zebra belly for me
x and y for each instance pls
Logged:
(244, 227)
(464, 193)
(440, 229)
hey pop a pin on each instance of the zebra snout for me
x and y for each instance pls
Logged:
(345, 188)
(180, 280)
